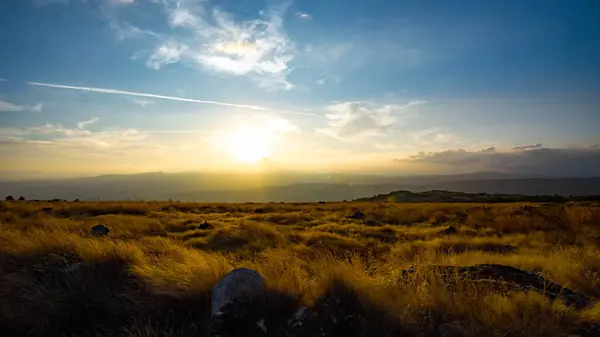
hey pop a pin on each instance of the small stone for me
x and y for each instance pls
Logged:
(205, 226)
(450, 231)
(358, 215)
(100, 230)
(261, 324)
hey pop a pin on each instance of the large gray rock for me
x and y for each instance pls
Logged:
(239, 283)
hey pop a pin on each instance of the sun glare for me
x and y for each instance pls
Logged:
(247, 144)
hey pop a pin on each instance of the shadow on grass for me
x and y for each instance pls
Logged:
(50, 296)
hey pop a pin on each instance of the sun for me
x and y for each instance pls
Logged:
(246, 144)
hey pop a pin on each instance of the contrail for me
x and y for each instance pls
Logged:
(141, 94)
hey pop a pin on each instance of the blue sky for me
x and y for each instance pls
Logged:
(104, 86)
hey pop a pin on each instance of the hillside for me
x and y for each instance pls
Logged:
(402, 269)
(285, 186)
(448, 196)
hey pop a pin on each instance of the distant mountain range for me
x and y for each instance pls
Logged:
(287, 186)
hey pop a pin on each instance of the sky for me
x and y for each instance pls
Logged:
(382, 86)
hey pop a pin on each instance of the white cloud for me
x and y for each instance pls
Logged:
(8, 106)
(329, 79)
(127, 30)
(168, 52)
(432, 136)
(140, 94)
(423, 133)
(143, 102)
(81, 139)
(37, 107)
(212, 40)
(182, 17)
(303, 16)
(444, 137)
(11, 135)
(83, 124)
(385, 146)
(359, 120)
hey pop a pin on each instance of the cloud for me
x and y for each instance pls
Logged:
(303, 16)
(549, 161)
(528, 147)
(8, 107)
(213, 41)
(385, 146)
(166, 53)
(83, 124)
(127, 30)
(143, 102)
(423, 133)
(80, 139)
(329, 79)
(432, 136)
(358, 120)
(3, 79)
(11, 135)
(182, 17)
(130, 93)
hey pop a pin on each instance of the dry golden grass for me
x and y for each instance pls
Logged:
(152, 276)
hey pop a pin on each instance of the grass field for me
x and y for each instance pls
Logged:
(153, 274)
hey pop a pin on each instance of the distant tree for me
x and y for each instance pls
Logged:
(9, 198)
(76, 200)
(21, 198)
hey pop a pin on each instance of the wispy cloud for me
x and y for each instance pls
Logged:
(303, 16)
(214, 41)
(166, 53)
(385, 146)
(422, 133)
(8, 106)
(358, 120)
(83, 124)
(329, 79)
(3, 79)
(432, 136)
(140, 94)
(143, 102)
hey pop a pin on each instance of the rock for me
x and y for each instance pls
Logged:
(511, 278)
(358, 215)
(241, 282)
(100, 230)
(299, 318)
(205, 226)
(450, 231)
